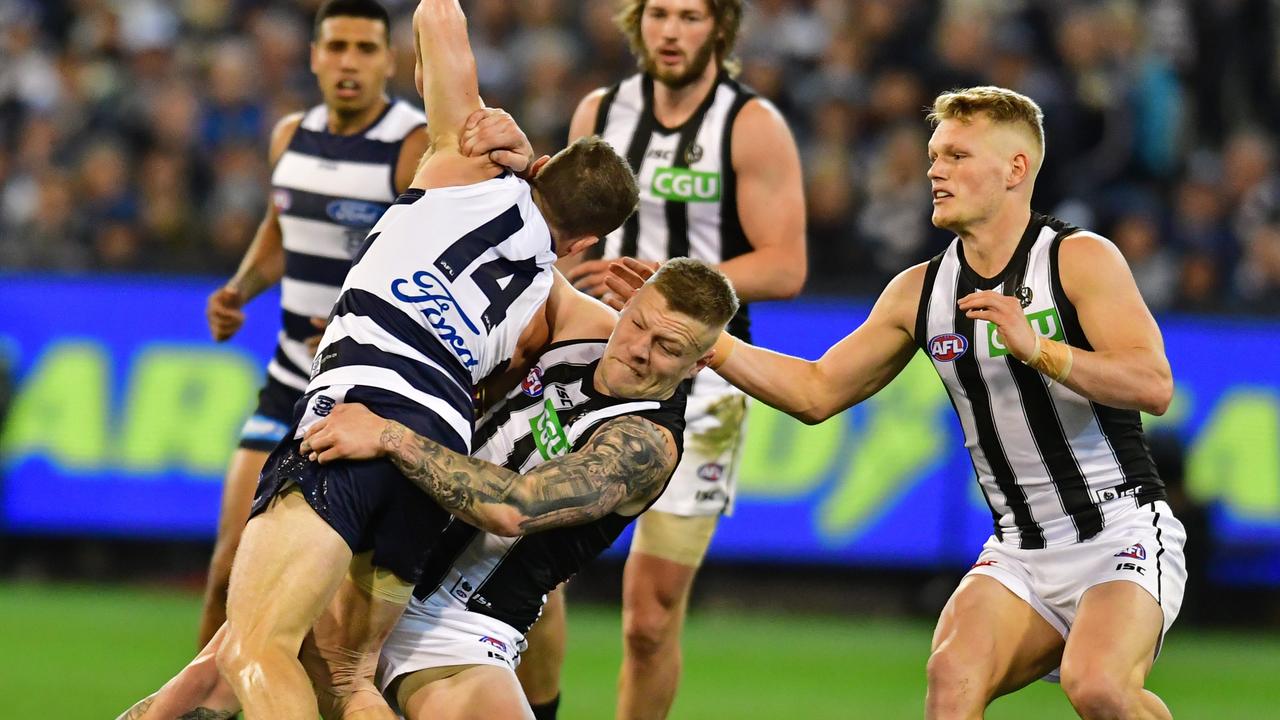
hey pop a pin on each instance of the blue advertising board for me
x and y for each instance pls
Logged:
(125, 415)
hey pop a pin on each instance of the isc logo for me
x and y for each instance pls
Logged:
(948, 346)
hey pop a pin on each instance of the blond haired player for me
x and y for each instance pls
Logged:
(1048, 352)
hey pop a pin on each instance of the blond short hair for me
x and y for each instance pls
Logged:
(694, 288)
(999, 104)
(728, 19)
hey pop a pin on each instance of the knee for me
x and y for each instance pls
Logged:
(647, 631)
(1097, 694)
(231, 658)
(955, 683)
(240, 658)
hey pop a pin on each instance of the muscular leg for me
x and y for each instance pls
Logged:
(198, 691)
(237, 496)
(540, 664)
(468, 692)
(342, 654)
(287, 569)
(664, 559)
(1109, 652)
(988, 643)
(655, 596)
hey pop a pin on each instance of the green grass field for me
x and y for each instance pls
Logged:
(89, 652)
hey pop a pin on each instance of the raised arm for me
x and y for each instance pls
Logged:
(853, 370)
(447, 69)
(446, 77)
(622, 467)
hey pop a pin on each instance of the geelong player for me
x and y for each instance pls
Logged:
(1048, 352)
(720, 181)
(571, 455)
(336, 169)
(435, 300)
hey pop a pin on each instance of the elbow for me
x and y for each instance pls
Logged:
(790, 282)
(812, 415)
(1160, 398)
(503, 522)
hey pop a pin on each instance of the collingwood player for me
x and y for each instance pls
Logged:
(336, 168)
(1048, 352)
(435, 300)
(563, 464)
(720, 181)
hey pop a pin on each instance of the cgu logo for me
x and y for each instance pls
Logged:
(682, 185)
(948, 346)
(1046, 323)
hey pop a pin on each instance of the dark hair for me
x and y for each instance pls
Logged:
(370, 9)
(588, 189)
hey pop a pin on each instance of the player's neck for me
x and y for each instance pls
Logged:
(340, 123)
(674, 106)
(989, 245)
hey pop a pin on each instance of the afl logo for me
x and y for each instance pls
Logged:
(711, 472)
(948, 346)
(281, 199)
(532, 385)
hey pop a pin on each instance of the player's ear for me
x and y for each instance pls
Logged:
(580, 245)
(537, 166)
(700, 363)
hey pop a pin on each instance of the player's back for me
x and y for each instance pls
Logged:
(436, 300)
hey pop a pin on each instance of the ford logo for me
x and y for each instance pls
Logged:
(353, 213)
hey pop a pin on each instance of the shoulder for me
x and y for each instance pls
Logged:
(282, 134)
(1084, 254)
(574, 315)
(638, 441)
(584, 117)
(758, 115)
(907, 285)
(900, 300)
(591, 101)
(1083, 246)
(759, 129)
(1088, 262)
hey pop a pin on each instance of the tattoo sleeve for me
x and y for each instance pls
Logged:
(139, 709)
(628, 458)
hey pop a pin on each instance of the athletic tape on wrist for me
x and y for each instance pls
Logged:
(724, 347)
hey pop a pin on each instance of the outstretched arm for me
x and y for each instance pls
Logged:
(853, 370)
(624, 464)
(447, 69)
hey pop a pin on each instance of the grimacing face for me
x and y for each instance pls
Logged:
(653, 348)
(352, 62)
(969, 164)
(679, 40)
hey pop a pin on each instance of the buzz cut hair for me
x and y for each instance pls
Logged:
(368, 9)
(999, 104)
(694, 288)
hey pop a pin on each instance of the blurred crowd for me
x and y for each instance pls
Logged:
(133, 132)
